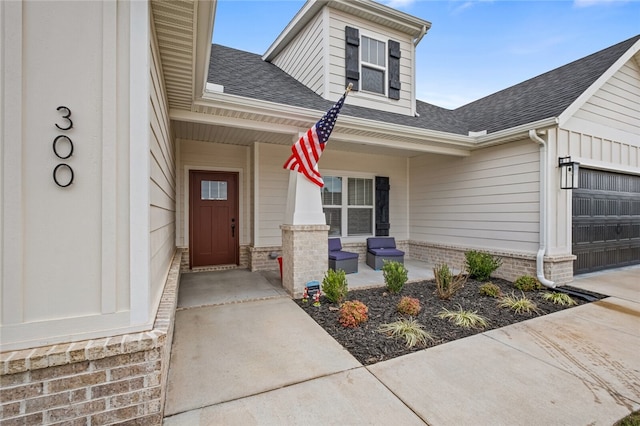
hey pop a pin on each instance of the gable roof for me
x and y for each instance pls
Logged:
(544, 96)
(547, 95)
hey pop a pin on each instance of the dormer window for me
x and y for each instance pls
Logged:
(367, 66)
(373, 65)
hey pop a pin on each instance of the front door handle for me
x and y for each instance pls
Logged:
(233, 228)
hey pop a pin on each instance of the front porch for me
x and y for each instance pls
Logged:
(237, 285)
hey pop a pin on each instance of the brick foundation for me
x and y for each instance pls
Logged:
(556, 268)
(94, 382)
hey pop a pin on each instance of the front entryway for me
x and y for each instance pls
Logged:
(213, 218)
(606, 221)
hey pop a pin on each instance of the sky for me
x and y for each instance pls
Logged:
(474, 48)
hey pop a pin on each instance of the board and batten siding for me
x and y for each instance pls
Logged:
(488, 200)
(211, 156)
(273, 183)
(338, 20)
(616, 105)
(162, 180)
(303, 58)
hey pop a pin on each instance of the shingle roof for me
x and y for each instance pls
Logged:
(544, 96)
(548, 95)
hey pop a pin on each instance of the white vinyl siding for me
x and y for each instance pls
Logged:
(273, 182)
(162, 181)
(617, 102)
(486, 201)
(338, 21)
(303, 58)
(196, 155)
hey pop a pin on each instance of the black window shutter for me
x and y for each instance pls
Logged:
(382, 206)
(394, 69)
(352, 57)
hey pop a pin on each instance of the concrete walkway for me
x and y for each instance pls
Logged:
(266, 362)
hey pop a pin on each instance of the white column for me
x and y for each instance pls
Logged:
(304, 236)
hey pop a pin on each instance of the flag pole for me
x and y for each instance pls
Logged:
(348, 89)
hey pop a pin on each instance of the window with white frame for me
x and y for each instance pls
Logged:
(373, 65)
(351, 215)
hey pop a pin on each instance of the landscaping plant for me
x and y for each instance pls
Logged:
(409, 329)
(448, 284)
(462, 318)
(518, 304)
(353, 313)
(334, 285)
(526, 283)
(559, 298)
(395, 275)
(481, 265)
(409, 306)
(490, 289)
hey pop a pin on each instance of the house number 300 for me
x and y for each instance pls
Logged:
(63, 149)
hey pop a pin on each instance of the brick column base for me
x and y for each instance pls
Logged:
(304, 256)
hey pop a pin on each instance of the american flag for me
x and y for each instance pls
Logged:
(307, 151)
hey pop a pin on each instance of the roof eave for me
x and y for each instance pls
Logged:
(514, 133)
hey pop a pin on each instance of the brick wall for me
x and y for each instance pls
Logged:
(305, 256)
(557, 268)
(94, 382)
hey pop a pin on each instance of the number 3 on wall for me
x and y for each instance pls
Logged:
(63, 173)
(66, 117)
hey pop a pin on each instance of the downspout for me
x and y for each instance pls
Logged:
(533, 135)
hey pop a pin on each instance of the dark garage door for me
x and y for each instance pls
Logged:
(606, 221)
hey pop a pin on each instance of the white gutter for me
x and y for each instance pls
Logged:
(533, 135)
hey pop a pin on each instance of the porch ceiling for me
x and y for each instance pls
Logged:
(342, 139)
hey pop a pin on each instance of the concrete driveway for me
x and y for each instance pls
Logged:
(266, 362)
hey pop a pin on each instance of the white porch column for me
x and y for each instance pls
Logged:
(304, 236)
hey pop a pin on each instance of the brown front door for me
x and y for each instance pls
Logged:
(213, 221)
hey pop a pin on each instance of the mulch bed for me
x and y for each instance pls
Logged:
(369, 346)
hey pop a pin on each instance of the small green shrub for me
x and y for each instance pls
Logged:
(490, 289)
(409, 329)
(481, 265)
(409, 306)
(395, 275)
(462, 318)
(559, 298)
(448, 284)
(520, 305)
(334, 285)
(632, 419)
(526, 283)
(353, 313)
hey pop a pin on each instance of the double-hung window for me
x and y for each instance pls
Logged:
(373, 65)
(351, 215)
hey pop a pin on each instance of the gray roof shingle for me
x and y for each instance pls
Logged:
(547, 95)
